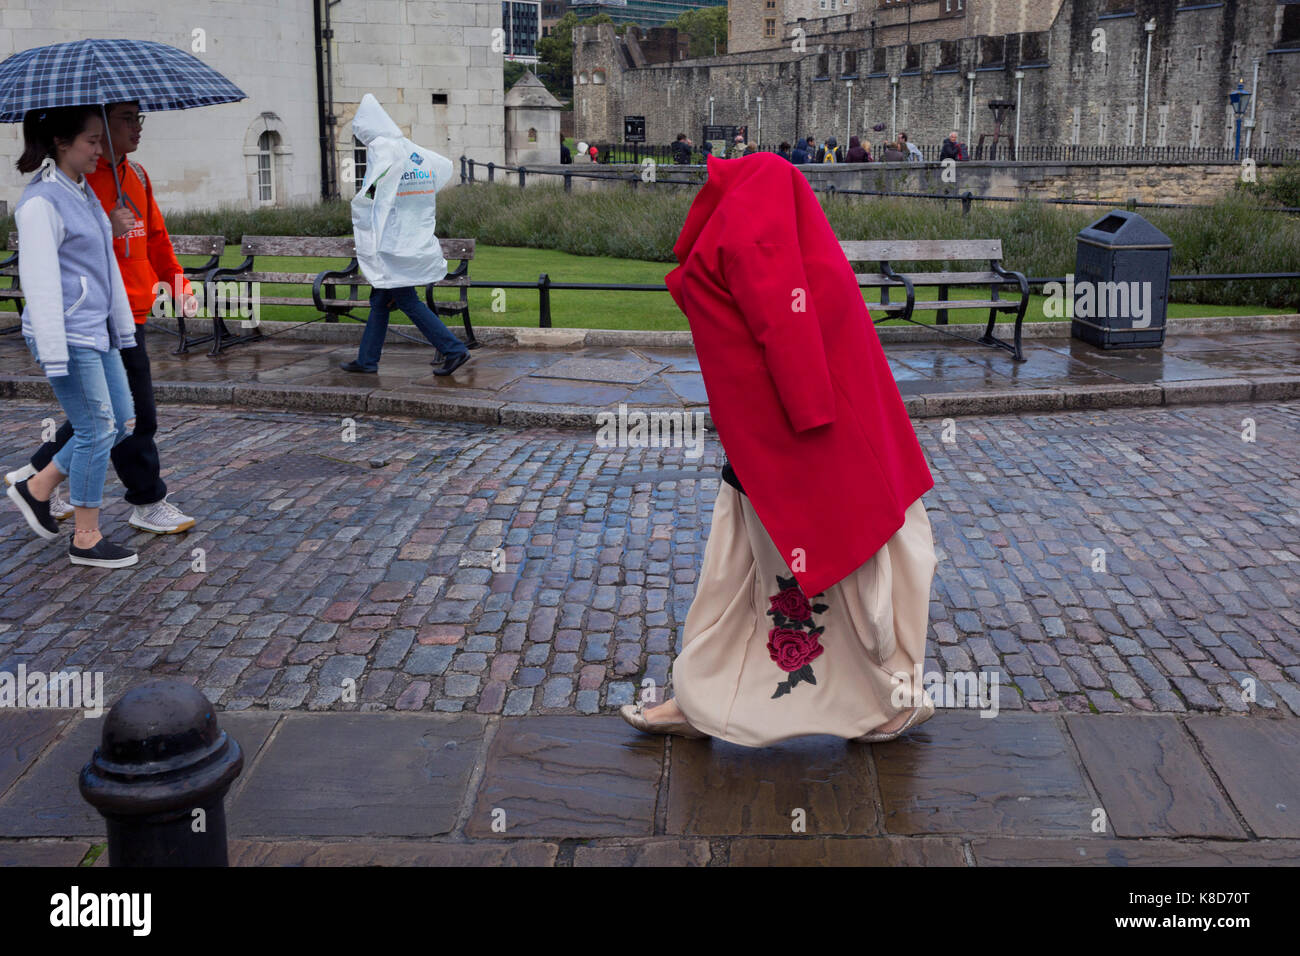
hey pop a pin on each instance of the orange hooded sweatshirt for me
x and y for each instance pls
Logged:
(152, 258)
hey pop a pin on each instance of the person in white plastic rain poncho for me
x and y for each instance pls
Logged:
(393, 215)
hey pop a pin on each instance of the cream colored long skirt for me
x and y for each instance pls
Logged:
(761, 662)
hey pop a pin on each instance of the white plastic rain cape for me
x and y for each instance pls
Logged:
(396, 245)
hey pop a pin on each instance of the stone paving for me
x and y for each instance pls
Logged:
(471, 789)
(1129, 561)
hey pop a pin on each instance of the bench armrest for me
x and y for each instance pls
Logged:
(329, 275)
(209, 295)
(458, 272)
(214, 262)
(1019, 277)
(888, 272)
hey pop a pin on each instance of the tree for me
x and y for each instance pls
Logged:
(704, 26)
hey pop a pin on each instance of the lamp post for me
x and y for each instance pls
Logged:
(1146, 84)
(893, 125)
(1250, 120)
(710, 110)
(1020, 80)
(1239, 98)
(848, 117)
(970, 109)
(759, 140)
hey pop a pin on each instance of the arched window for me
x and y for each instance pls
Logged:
(268, 161)
(266, 167)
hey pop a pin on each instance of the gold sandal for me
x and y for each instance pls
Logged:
(634, 715)
(918, 716)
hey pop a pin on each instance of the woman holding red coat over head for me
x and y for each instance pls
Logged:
(811, 611)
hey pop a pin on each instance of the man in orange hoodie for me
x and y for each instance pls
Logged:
(148, 258)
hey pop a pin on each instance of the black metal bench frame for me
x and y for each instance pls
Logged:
(886, 252)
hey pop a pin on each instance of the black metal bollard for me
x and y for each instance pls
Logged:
(162, 757)
(543, 301)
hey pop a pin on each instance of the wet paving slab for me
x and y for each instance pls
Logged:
(358, 789)
(586, 377)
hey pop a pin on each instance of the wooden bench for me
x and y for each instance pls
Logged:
(210, 246)
(9, 270)
(886, 252)
(325, 296)
(453, 250)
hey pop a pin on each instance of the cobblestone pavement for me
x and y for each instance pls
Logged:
(318, 562)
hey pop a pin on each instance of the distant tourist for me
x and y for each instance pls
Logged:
(784, 151)
(856, 153)
(799, 155)
(682, 150)
(832, 152)
(913, 151)
(737, 148)
(953, 149)
(895, 151)
(566, 157)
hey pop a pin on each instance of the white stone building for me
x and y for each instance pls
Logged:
(430, 63)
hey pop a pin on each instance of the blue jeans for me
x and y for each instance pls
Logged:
(97, 400)
(408, 300)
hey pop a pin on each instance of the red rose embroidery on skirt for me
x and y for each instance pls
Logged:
(795, 642)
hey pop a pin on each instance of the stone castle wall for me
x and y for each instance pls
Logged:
(1079, 86)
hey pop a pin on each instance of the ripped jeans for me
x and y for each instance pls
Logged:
(97, 400)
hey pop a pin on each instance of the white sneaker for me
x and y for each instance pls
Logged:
(13, 477)
(161, 517)
(59, 509)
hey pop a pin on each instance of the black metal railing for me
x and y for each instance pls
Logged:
(545, 285)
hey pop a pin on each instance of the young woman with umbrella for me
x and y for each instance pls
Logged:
(89, 75)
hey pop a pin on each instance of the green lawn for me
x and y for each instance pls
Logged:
(593, 309)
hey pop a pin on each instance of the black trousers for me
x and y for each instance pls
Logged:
(135, 458)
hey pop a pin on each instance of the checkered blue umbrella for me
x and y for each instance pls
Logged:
(98, 72)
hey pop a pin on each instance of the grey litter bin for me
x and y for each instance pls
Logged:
(1121, 283)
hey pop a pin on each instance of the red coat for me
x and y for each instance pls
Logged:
(799, 390)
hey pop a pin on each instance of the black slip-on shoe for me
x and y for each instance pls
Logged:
(354, 367)
(104, 554)
(36, 512)
(453, 363)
